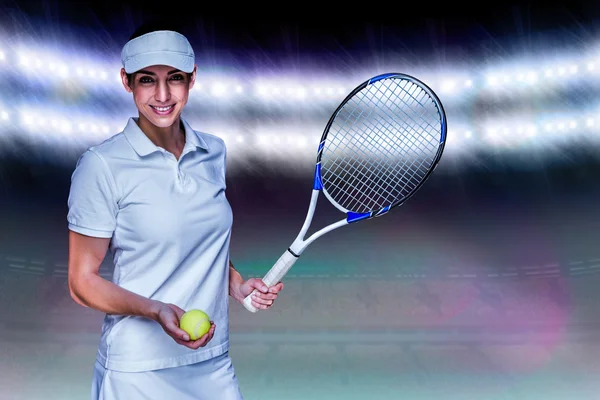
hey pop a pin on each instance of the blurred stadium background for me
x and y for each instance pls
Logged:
(483, 286)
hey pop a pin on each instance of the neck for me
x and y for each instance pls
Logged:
(170, 138)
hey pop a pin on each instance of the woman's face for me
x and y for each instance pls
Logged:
(160, 92)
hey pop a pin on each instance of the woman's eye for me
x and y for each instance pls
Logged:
(177, 77)
(145, 79)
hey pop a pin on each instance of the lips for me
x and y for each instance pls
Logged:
(163, 110)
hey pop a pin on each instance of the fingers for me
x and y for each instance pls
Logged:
(276, 288)
(176, 331)
(201, 341)
(262, 300)
(264, 296)
(169, 319)
(259, 285)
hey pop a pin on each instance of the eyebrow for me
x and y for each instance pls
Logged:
(143, 71)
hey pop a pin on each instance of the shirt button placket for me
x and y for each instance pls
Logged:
(180, 174)
(173, 160)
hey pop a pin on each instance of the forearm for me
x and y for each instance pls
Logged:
(235, 281)
(95, 292)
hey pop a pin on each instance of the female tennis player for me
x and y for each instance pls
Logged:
(154, 195)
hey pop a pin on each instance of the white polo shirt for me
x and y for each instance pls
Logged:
(170, 225)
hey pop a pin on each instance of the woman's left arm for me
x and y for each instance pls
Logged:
(239, 289)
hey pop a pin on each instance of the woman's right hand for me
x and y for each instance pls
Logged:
(168, 317)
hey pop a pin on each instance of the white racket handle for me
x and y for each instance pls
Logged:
(277, 271)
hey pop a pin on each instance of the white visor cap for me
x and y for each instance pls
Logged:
(158, 48)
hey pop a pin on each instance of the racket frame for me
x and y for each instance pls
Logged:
(291, 255)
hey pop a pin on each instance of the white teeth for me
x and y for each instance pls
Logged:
(162, 109)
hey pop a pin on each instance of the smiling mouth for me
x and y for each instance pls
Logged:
(163, 110)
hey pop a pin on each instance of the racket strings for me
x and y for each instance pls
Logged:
(403, 151)
(353, 172)
(341, 175)
(370, 166)
(352, 200)
(381, 145)
(388, 130)
(350, 179)
(364, 181)
(352, 205)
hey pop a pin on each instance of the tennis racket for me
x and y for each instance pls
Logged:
(378, 148)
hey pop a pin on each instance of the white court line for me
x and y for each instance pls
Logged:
(531, 267)
(550, 266)
(543, 272)
(15, 262)
(582, 272)
(17, 259)
(25, 271)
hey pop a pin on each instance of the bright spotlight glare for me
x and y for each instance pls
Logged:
(218, 89)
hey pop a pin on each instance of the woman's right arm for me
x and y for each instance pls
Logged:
(89, 289)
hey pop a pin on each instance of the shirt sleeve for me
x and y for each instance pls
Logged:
(92, 197)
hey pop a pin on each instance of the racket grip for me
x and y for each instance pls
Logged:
(275, 274)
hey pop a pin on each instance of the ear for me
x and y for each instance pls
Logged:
(124, 80)
(193, 77)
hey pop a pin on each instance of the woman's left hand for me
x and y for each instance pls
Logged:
(264, 296)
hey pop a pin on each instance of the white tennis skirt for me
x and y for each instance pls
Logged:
(213, 379)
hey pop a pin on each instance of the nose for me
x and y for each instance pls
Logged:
(162, 92)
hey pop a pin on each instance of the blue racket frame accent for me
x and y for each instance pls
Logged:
(444, 126)
(380, 77)
(321, 146)
(353, 217)
(318, 185)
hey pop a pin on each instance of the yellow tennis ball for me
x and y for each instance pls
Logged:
(195, 322)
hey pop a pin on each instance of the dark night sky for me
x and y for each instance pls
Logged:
(286, 26)
(306, 30)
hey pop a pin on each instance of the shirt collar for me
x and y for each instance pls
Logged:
(192, 137)
(144, 146)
